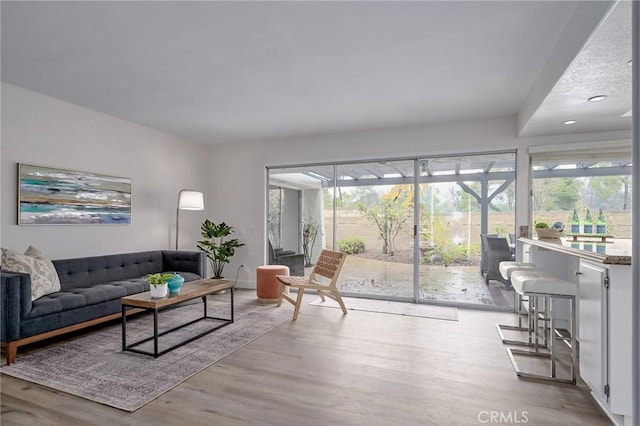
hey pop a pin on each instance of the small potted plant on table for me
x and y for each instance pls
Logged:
(544, 231)
(158, 284)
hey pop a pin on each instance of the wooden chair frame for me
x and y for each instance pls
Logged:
(329, 266)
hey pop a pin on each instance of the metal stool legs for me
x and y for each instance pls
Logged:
(553, 347)
(529, 328)
(507, 269)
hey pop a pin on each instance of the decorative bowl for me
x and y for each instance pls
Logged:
(548, 233)
(175, 283)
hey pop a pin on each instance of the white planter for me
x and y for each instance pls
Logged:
(159, 291)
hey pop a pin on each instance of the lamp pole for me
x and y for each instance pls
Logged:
(178, 221)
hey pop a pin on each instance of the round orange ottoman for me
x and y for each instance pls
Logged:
(267, 285)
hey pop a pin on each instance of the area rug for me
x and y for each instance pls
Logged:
(94, 367)
(396, 308)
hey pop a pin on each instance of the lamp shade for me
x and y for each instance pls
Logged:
(191, 200)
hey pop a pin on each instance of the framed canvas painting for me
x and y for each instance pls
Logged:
(48, 195)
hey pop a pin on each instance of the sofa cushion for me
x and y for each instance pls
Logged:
(78, 297)
(88, 271)
(84, 296)
(188, 276)
(44, 278)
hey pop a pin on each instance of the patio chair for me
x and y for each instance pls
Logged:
(498, 251)
(327, 268)
(289, 258)
(484, 254)
(512, 243)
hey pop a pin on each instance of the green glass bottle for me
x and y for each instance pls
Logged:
(601, 224)
(575, 223)
(588, 223)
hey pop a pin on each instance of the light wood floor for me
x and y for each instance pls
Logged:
(329, 369)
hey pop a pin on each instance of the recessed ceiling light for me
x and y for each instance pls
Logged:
(570, 122)
(597, 98)
(626, 114)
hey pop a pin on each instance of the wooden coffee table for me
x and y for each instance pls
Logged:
(189, 291)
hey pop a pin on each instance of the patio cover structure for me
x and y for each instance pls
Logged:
(500, 170)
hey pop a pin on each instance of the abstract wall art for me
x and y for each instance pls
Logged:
(55, 196)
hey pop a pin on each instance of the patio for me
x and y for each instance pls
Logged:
(457, 284)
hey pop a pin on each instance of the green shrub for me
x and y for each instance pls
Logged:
(448, 254)
(353, 245)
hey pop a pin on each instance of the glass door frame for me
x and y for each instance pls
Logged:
(416, 216)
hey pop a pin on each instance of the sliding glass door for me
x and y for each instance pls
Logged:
(412, 228)
(461, 199)
(374, 220)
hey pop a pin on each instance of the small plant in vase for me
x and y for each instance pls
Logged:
(216, 247)
(545, 231)
(158, 284)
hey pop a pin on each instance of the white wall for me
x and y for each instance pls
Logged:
(239, 177)
(41, 130)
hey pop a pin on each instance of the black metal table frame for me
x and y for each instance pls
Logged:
(156, 335)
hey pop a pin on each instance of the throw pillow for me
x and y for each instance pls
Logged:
(44, 278)
(34, 251)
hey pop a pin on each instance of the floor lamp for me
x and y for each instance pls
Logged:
(188, 199)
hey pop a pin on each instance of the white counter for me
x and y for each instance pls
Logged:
(614, 252)
(602, 272)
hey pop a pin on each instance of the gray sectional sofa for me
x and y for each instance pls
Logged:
(91, 288)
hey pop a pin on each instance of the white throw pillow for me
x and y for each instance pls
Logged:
(44, 278)
(34, 252)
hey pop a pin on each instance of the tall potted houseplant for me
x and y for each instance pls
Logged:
(310, 231)
(216, 246)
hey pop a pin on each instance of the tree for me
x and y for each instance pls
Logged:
(390, 214)
(510, 194)
(327, 197)
(456, 195)
(310, 230)
(428, 194)
(365, 195)
(505, 200)
(610, 192)
(467, 202)
(274, 216)
(557, 194)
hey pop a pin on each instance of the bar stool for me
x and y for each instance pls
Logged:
(550, 288)
(507, 268)
(536, 308)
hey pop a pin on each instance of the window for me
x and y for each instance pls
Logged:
(591, 177)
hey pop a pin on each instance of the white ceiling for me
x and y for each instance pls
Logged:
(219, 72)
(601, 68)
